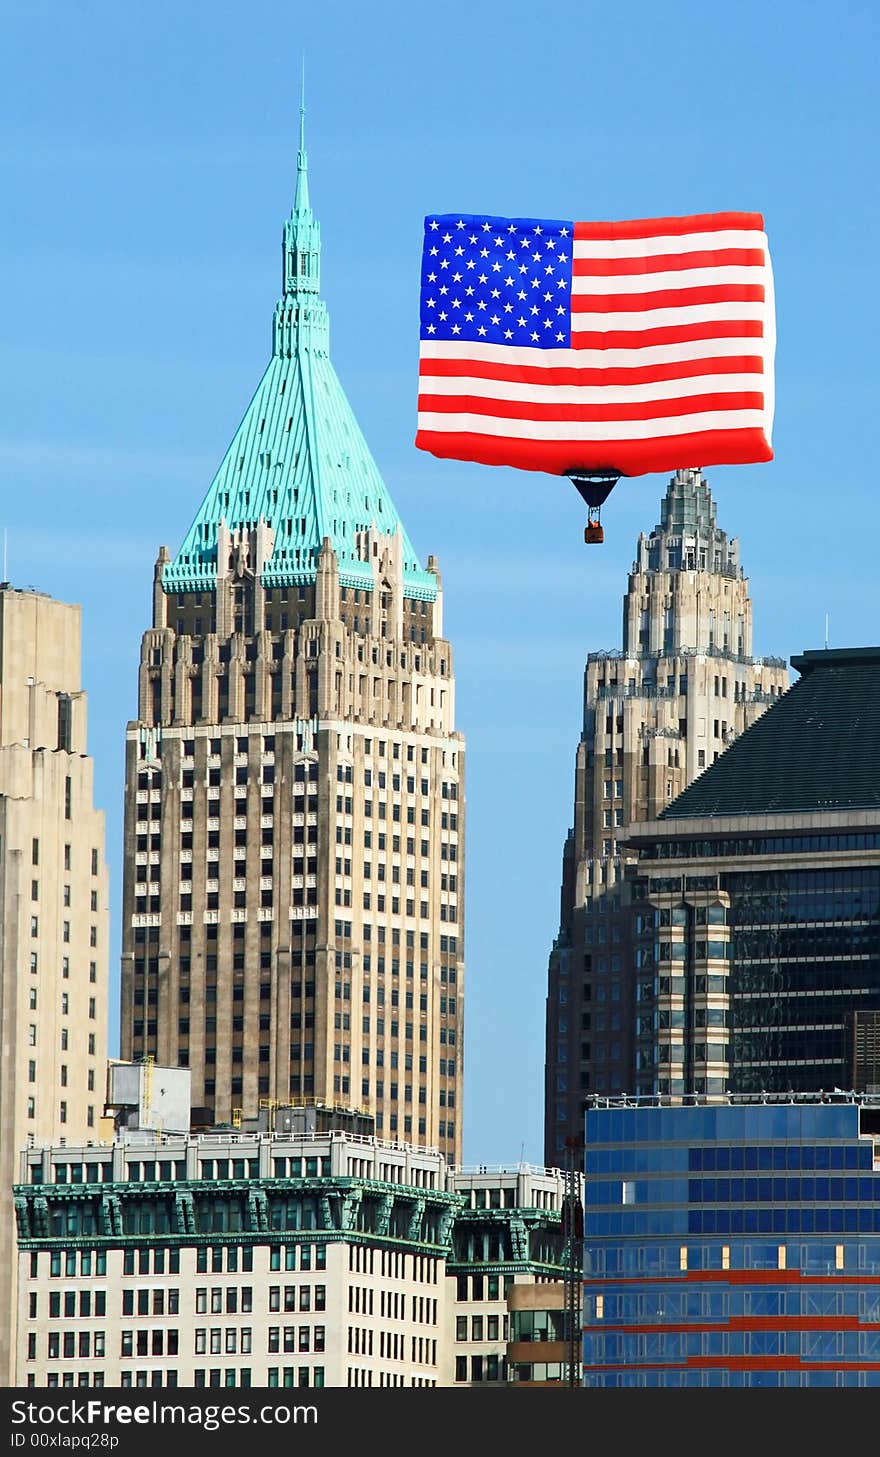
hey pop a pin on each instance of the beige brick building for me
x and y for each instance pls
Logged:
(293, 897)
(53, 903)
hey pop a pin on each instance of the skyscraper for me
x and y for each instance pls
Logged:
(53, 905)
(294, 812)
(656, 713)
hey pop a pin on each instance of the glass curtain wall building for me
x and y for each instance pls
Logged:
(732, 1244)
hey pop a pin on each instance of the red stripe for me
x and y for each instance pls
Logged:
(733, 1277)
(638, 410)
(709, 222)
(630, 457)
(668, 262)
(740, 1363)
(667, 334)
(746, 1323)
(571, 374)
(667, 298)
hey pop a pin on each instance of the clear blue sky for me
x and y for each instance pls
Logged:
(148, 156)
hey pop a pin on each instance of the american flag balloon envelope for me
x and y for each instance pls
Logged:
(596, 350)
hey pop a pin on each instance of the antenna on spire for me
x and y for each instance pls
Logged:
(301, 200)
(302, 107)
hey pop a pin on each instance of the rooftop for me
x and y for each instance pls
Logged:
(298, 463)
(816, 749)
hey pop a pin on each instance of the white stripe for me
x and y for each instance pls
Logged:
(687, 243)
(642, 319)
(769, 343)
(605, 430)
(652, 282)
(575, 394)
(514, 356)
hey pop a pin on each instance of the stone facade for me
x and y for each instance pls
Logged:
(266, 1260)
(656, 714)
(53, 902)
(293, 896)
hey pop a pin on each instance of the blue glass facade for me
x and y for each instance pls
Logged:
(732, 1244)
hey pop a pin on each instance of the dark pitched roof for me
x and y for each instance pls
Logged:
(817, 749)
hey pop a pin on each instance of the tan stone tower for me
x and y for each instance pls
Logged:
(656, 714)
(53, 904)
(293, 898)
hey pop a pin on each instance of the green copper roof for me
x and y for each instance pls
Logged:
(816, 749)
(298, 460)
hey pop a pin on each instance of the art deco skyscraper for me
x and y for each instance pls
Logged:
(294, 812)
(656, 714)
(53, 904)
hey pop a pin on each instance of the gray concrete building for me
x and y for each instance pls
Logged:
(294, 805)
(657, 713)
(53, 904)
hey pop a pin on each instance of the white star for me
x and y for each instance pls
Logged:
(508, 308)
(563, 232)
(524, 242)
(459, 250)
(433, 252)
(456, 328)
(496, 266)
(498, 242)
(434, 225)
(496, 293)
(534, 308)
(459, 224)
(431, 329)
(432, 278)
(539, 230)
(560, 283)
(473, 238)
(560, 308)
(510, 255)
(560, 337)
(484, 252)
(443, 317)
(549, 268)
(546, 323)
(522, 293)
(495, 319)
(523, 268)
(512, 228)
(534, 282)
(481, 330)
(508, 333)
(456, 303)
(563, 257)
(537, 257)
(509, 282)
(469, 318)
(447, 237)
(443, 288)
(430, 302)
(469, 290)
(444, 262)
(456, 277)
(481, 303)
(550, 243)
(535, 337)
(487, 227)
(547, 297)
(521, 321)
(483, 278)
(471, 263)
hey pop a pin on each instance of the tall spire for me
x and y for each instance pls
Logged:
(301, 200)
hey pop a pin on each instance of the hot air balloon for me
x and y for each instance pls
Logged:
(596, 350)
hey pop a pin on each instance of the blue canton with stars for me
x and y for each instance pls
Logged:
(497, 281)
